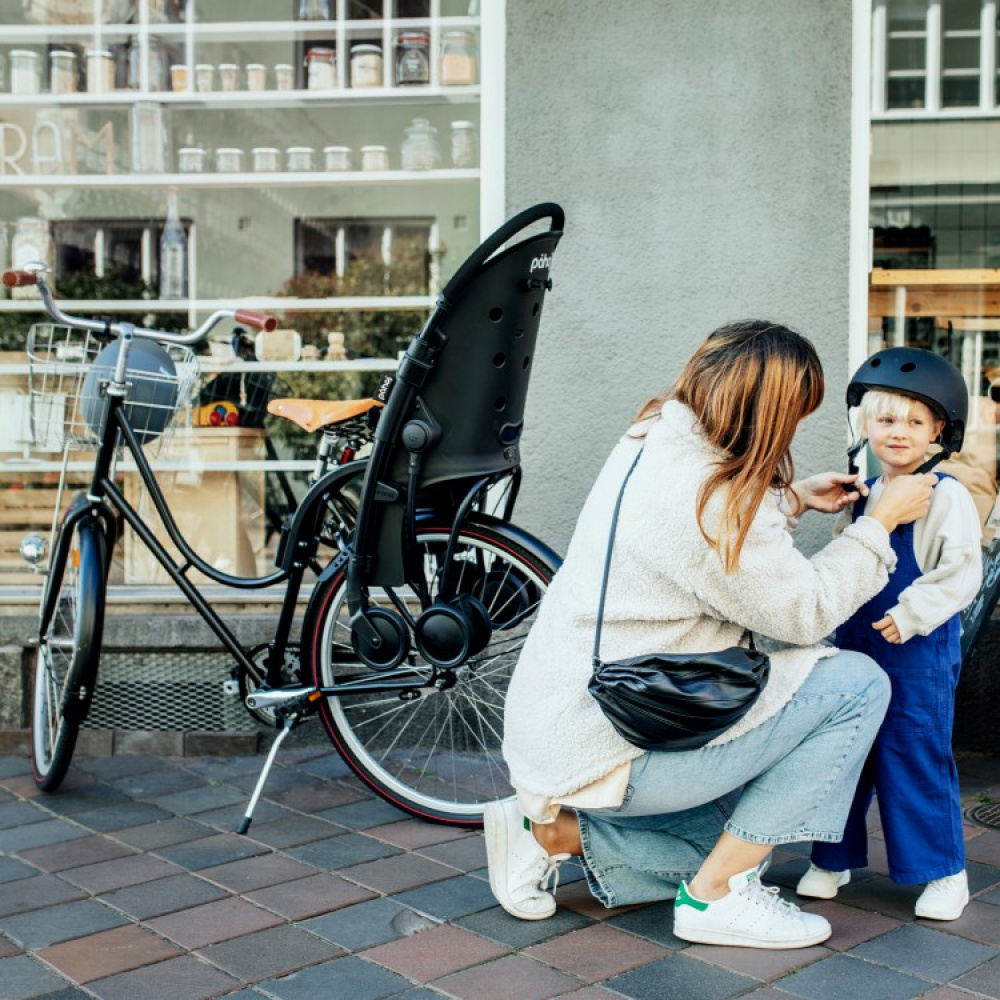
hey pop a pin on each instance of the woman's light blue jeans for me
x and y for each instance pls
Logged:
(790, 779)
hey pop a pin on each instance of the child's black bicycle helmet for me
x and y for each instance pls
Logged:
(923, 375)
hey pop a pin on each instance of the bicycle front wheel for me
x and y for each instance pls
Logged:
(435, 751)
(68, 653)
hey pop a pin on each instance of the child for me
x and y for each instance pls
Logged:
(908, 399)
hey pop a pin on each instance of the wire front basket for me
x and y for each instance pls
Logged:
(69, 370)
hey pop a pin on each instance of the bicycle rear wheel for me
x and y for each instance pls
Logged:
(435, 752)
(68, 653)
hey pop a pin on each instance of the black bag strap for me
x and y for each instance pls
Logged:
(607, 568)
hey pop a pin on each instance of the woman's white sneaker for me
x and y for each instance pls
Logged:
(822, 884)
(944, 898)
(520, 871)
(752, 915)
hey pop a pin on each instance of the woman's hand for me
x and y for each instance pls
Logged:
(829, 492)
(905, 499)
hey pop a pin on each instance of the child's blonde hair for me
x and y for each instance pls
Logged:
(877, 403)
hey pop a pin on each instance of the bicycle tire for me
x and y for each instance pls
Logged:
(437, 756)
(68, 655)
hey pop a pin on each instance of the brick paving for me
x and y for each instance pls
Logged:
(130, 883)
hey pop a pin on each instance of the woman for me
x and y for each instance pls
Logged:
(702, 555)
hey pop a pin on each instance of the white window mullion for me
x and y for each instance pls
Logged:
(933, 85)
(987, 54)
(879, 60)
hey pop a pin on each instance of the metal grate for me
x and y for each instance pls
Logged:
(169, 692)
(987, 814)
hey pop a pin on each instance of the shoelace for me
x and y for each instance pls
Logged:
(547, 872)
(945, 884)
(767, 896)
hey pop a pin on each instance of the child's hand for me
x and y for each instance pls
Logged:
(889, 630)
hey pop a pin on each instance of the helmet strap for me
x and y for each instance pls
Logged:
(852, 454)
(932, 461)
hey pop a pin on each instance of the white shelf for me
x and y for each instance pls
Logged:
(271, 304)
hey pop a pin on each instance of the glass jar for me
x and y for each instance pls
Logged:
(321, 69)
(228, 160)
(266, 159)
(366, 65)
(464, 144)
(229, 76)
(25, 72)
(32, 242)
(62, 71)
(458, 64)
(374, 157)
(204, 77)
(284, 76)
(148, 138)
(314, 10)
(256, 76)
(413, 58)
(191, 160)
(299, 158)
(337, 157)
(156, 64)
(180, 77)
(420, 147)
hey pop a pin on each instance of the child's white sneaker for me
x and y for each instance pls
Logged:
(822, 884)
(520, 870)
(944, 898)
(751, 916)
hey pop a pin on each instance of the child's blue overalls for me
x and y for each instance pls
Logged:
(910, 765)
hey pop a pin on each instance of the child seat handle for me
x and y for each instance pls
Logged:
(489, 246)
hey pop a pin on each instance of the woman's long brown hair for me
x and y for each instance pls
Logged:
(749, 385)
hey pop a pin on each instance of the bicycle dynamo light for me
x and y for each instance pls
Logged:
(152, 388)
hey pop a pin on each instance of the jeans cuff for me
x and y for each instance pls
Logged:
(592, 872)
(782, 838)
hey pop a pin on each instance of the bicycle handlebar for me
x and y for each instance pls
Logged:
(34, 275)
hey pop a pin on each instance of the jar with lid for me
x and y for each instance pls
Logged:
(321, 69)
(191, 160)
(266, 159)
(204, 77)
(100, 71)
(32, 242)
(228, 160)
(155, 63)
(148, 138)
(366, 65)
(299, 158)
(25, 72)
(413, 58)
(374, 157)
(229, 76)
(314, 10)
(420, 147)
(284, 76)
(464, 144)
(62, 71)
(458, 64)
(337, 157)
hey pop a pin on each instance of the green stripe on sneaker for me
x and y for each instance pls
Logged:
(684, 898)
(527, 824)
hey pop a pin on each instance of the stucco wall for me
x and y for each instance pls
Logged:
(701, 150)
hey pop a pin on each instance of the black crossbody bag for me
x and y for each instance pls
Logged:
(673, 701)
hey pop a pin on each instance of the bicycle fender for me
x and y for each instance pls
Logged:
(532, 545)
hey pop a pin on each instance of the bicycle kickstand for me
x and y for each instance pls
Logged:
(287, 726)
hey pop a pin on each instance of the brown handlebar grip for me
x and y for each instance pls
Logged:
(18, 279)
(259, 321)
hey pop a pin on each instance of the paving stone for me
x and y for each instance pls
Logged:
(765, 964)
(18, 813)
(984, 848)
(225, 768)
(291, 831)
(512, 976)
(498, 925)
(26, 838)
(314, 798)
(342, 851)
(75, 853)
(841, 976)
(110, 875)
(121, 766)
(985, 980)
(156, 784)
(11, 766)
(41, 928)
(597, 952)
(210, 923)
(452, 898)
(210, 852)
(85, 796)
(577, 896)
(395, 874)
(434, 953)
(679, 976)
(850, 925)
(981, 877)
(154, 899)
(881, 895)
(364, 813)
(27, 894)
(269, 953)
(467, 854)
(100, 955)
(343, 977)
(328, 766)
(413, 833)
(153, 836)
(654, 922)
(121, 817)
(8, 948)
(257, 873)
(11, 870)
(310, 897)
(980, 922)
(186, 977)
(22, 977)
(200, 799)
(926, 953)
(229, 818)
(365, 925)
(68, 993)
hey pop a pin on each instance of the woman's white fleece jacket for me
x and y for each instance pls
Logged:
(668, 592)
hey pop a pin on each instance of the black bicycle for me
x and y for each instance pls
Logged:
(423, 600)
